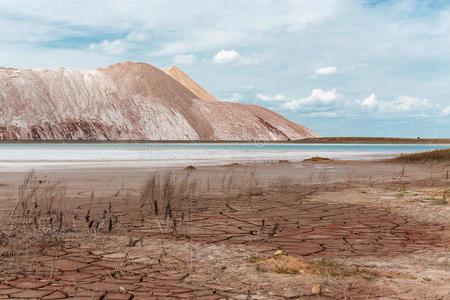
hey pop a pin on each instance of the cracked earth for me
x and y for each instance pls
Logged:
(366, 218)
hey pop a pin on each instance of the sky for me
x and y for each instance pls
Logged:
(339, 67)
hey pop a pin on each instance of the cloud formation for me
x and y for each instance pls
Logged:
(232, 57)
(326, 71)
(317, 98)
(139, 37)
(370, 102)
(446, 111)
(405, 104)
(400, 104)
(267, 98)
(120, 46)
(110, 48)
(235, 97)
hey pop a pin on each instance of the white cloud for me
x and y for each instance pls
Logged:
(120, 46)
(446, 111)
(326, 71)
(112, 48)
(317, 98)
(232, 57)
(139, 37)
(185, 59)
(370, 102)
(226, 57)
(325, 114)
(267, 98)
(293, 15)
(236, 97)
(202, 40)
(404, 104)
(400, 105)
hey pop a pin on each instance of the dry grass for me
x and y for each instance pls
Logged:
(166, 201)
(169, 200)
(39, 218)
(329, 267)
(440, 155)
(173, 197)
(373, 140)
(165, 193)
(437, 198)
(287, 264)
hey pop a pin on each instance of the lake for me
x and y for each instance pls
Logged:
(29, 155)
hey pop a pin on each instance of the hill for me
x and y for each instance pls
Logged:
(126, 101)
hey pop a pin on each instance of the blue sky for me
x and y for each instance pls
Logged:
(342, 68)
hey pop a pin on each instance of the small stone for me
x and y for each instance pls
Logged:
(316, 290)
(122, 290)
(279, 252)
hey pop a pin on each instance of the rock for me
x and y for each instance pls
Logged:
(316, 290)
(122, 290)
(279, 252)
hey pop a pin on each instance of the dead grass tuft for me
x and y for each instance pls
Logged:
(39, 218)
(440, 155)
(329, 267)
(287, 264)
(169, 199)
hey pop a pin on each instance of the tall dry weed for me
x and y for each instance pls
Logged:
(39, 218)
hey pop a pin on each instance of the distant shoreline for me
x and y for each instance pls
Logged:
(324, 140)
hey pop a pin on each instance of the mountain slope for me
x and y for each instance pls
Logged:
(126, 101)
(190, 84)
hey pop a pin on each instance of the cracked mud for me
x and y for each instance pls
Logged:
(207, 256)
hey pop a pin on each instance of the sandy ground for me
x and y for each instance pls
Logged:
(335, 230)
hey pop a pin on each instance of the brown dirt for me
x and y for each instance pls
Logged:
(190, 84)
(283, 161)
(317, 159)
(149, 81)
(352, 228)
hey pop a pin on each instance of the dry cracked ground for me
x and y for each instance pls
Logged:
(335, 230)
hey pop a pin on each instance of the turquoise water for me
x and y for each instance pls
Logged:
(162, 154)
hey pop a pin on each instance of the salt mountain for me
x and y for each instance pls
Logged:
(127, 101)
